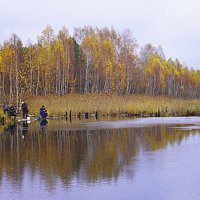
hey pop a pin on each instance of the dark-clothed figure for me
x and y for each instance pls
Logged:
(24, 109)
(6, 108)
(43, 112)
(10, 110)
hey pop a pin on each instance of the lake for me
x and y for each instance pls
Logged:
(119, 159)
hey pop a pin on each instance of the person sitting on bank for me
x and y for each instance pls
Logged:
(43, 112)
(12, 111)
(24, 108)
(6, 108)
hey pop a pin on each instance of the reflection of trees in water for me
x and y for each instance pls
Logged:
(161, 137)
(87, 155)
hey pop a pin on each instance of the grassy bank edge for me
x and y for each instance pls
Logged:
(108, 105)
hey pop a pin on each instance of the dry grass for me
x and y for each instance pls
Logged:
(1, 112)
(110, 104)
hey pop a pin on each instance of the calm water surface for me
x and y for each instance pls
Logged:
(121, 160)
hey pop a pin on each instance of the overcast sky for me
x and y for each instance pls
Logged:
(174, 24)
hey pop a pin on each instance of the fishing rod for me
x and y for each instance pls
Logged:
(48, 105)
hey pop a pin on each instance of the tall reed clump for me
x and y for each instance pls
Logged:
(3, 117)
(107, 104)
(1, 113)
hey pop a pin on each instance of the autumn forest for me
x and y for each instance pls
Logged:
(93, 60)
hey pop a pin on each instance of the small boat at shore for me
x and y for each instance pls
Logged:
(27, 119)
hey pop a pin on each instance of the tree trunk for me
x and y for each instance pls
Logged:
(86, 75)
(17, 81)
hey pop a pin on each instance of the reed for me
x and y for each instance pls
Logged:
(1, 112)
(107, 104)
(1, 117)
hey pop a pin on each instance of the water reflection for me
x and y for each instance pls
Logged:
(10, 129)
(43, 123)
(89, 156)
(24, 129)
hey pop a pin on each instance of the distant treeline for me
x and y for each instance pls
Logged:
(93, 60)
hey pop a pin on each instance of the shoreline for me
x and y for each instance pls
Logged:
(111, 105)
(81, 116)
